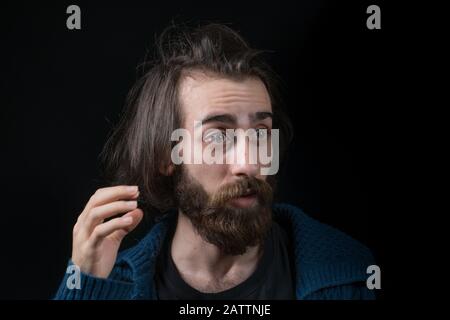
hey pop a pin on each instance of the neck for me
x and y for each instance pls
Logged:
(197, 259)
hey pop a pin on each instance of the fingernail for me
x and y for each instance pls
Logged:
(132, 189)
(132, 204)
(127, 220)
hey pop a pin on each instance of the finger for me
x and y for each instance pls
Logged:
(105, 195)
(137, 216)
(105, 229)
(98, 214)
(110, 194)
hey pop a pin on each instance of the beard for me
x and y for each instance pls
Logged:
(231, 229)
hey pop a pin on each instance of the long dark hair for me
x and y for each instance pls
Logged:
(140, 146)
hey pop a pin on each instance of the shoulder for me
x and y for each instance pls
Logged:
(324, 257)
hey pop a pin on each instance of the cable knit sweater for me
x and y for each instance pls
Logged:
(328, 264)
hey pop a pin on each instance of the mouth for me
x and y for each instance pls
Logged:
(244, 201)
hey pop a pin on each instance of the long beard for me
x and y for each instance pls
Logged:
(230, 228)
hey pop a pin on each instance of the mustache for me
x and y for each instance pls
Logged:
(242, 187)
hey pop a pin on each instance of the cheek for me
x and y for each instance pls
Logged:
(209, 176)
(261, 177)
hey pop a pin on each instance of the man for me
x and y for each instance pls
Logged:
(217, 234)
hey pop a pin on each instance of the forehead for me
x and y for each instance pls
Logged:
(202, 94)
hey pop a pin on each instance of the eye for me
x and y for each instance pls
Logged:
(262, 133)
(215, 136)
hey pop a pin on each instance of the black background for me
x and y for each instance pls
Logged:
(63, 89)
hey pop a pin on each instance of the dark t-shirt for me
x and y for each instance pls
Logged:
(272, 278)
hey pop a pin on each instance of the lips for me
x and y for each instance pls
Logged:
(245, 200)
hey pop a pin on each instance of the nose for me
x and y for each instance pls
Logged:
(244, 170)
(245, 160)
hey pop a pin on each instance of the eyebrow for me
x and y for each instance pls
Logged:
(231, 119)
(258, 116)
